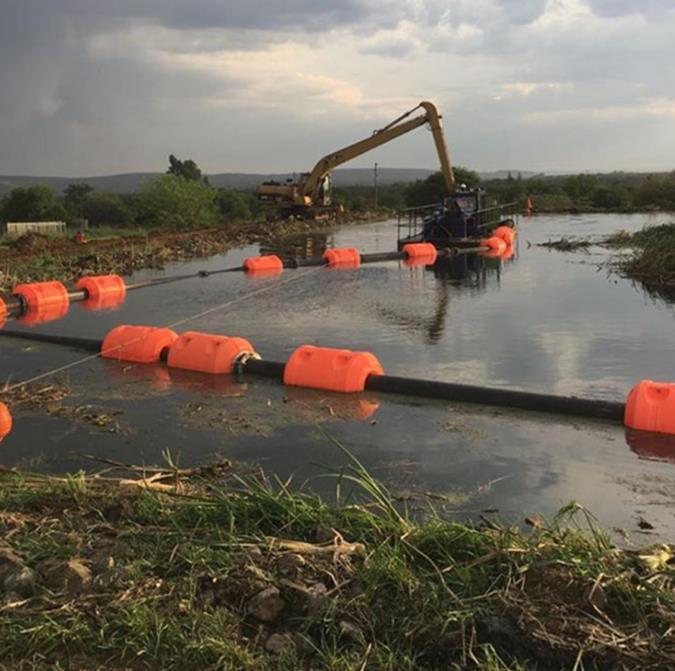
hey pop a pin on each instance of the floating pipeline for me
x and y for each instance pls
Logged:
(41, 302)
(650, 405)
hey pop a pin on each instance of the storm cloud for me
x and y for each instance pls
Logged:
(93, 87)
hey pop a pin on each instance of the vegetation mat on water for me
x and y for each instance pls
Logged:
(217, 572)
(653, 258)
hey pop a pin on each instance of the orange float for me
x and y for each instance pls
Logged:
(103, 287)
(263, 265)
(420, 253)
(497, 247)
(330, 369)
(5, 421)
(651, 407)
(140, 344)
(207, 353)
(509, 253)
(342, 257)
(506, 233)
(42, 295)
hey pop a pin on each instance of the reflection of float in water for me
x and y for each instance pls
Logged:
(651, 446)
(311, 405)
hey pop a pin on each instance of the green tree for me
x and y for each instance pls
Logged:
(106, 209)
(433, 190)
(31, 203)
(178, 203)
(656, 191)
(609, 197)
(74, 196)
(186, 169)
(580, 186)
(233, 205)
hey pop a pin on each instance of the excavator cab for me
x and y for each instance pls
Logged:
(459, 216)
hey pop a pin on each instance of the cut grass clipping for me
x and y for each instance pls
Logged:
(168, 569)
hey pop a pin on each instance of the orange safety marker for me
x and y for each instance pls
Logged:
(651, 407)
(497, 246)
(5, 421)
(506, 233)
(3, 313)
(140, 344)
(207, 353)
(418, 253)
(330, 369)
(40, 295)
(342, 257)
(264, 265)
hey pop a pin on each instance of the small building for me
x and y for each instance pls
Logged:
(16, 228)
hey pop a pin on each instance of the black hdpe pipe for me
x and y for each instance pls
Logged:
(448, 391)
(16, 306)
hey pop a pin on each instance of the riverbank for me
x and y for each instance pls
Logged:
(34, 257)
(202, 569)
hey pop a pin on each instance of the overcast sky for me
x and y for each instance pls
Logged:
(103, 86)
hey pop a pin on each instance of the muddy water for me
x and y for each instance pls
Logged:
(543, 321)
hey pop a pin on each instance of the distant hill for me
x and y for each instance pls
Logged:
(132, 181)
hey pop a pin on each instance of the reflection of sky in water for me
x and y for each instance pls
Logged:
(547, 321)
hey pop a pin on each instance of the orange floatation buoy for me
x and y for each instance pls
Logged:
(497, 247)
(42, 295)
(506, 233)
(139, 344)
(330, 369)
(5, 421)
(651, 407)
(207, 353)
(263, 265)
(420, 253)
(342, 257)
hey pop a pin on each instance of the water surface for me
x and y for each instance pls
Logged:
(542, 321)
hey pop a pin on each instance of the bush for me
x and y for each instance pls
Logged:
(233, 205)
(106, 209)
(31, 203)
(178, 203)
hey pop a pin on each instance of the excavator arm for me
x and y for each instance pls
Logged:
(390, 132)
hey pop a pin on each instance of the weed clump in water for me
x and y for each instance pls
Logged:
(652, 260)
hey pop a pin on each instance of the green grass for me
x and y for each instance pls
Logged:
(421, 594)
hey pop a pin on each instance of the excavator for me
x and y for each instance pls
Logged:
(310, 195)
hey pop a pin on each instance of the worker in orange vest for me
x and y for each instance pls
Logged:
(528, 206)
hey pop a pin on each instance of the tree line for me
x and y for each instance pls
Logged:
(618, 191)
(180, 199)
(183, 198)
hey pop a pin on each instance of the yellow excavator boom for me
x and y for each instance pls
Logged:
(306, 192)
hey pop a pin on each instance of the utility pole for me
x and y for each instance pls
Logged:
(375, 182)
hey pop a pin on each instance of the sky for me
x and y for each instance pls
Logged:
(92, 87)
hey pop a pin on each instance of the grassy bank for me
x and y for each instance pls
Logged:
(203, 570)
(34, 257)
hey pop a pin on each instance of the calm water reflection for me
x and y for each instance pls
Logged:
(542, 321)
